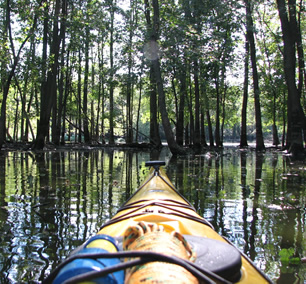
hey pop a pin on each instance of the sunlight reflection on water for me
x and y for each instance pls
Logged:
(52, 203)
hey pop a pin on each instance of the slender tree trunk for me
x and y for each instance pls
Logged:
(48, 95)
(203, 136)
(129, 95)
(79, 100)
(197, 130)
(154, 127)
(15, 131)
(8, 79)
(223, 116)
(180, 120)
(274, 127)
(250, 34)
(138, 109)
(191, 116)
(66, 94)
(295, 114)
(87, 137)
(284, 120)
(112, 73)
(23, 96)
(56, 133)
(187, 139)
(174, 147)
(217, 129)
(101, 92)
(210, 130)
(243, 132)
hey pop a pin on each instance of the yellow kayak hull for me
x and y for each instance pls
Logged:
(157, 201)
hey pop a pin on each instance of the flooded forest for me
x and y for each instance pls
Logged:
(51, 202)
(91, 90)
(189, 73)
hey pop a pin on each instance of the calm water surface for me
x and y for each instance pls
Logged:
(51, 202)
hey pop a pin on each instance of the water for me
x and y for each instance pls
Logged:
(51, 202)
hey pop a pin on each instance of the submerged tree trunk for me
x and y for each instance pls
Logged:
(154, 127)
(49, 89)
(250, 34)
(217, 129)
(173, 146)
(274, 127)
(295, 114)
(210, 130)
(203, 136)
(112, 73)
(138, 110)
(6, 81)
(87, 137)
(56, 135)
(180, 120)
(197, 130)
(243, 134)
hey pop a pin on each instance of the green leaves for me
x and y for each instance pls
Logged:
(288, 257)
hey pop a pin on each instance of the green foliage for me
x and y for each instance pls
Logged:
(287, 257)
(210, 32)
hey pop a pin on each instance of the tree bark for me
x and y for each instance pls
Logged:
(87, 137)
(295, 114)
(250, 34)
(197, 130)
(173, 146)
(154, 127)
(217, 129)
(49, 90)
(180, 120)
(112, 73)
(243, 133)
(203, 136)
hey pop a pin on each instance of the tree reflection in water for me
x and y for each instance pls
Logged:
(51, 202)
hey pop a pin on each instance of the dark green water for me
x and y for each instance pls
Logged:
(51, 203)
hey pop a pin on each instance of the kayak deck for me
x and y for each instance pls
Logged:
(157, 201)
(157, 204)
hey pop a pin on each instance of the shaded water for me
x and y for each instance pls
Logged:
(50, 203)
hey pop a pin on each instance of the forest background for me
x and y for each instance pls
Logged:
(190, 72)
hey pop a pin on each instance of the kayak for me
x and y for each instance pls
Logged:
(157, 237)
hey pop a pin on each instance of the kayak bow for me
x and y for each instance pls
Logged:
(157, 237)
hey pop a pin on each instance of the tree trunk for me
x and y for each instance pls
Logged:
(173, 146)
(243, 133)
(197, 130)
(217, 129)
(223, 116)
(203, 136)
(49, 89)
(187, 140)
(210, 129)
(295, 114)
(56, 133)
(138, 110)
(180, 120)
(130, 79)
(274, 127)
(66, 93)
(250, 34)
(87, 137)
(101, 93)
(112, 73)
(191, 117)
(8, 79)
(154, 127)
